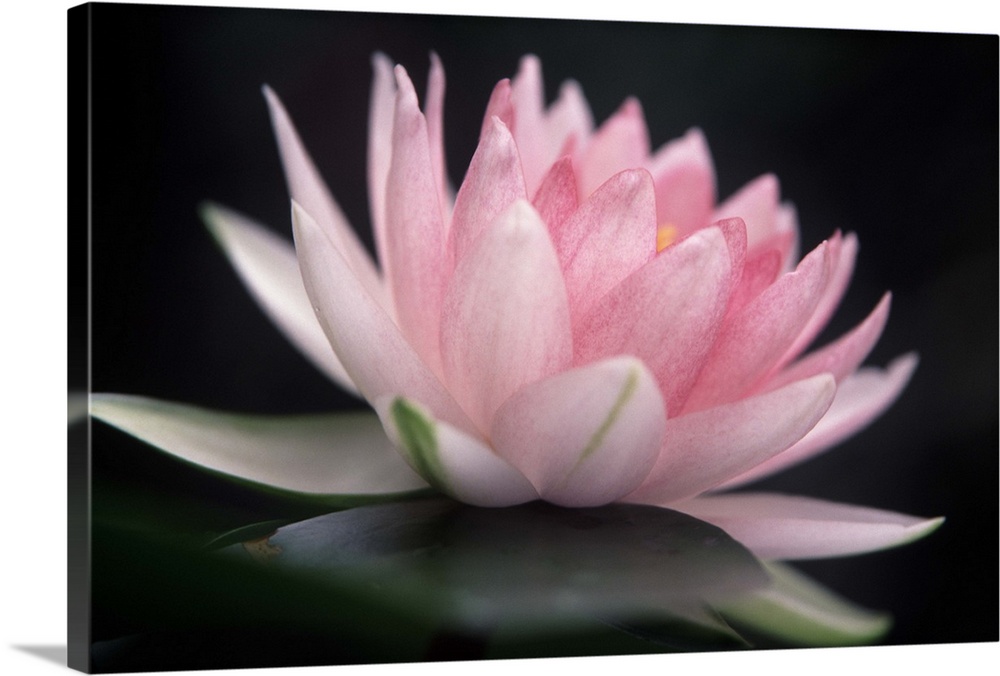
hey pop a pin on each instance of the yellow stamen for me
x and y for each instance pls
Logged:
(665, 236)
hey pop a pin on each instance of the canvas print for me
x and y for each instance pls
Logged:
(412, 338)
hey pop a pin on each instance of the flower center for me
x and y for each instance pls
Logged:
(665, 236)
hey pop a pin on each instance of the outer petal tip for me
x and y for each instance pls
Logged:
(787, 527)
(922, 529)
(267, 265)
(210, 214)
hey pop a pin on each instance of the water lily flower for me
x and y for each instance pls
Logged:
(579, 322)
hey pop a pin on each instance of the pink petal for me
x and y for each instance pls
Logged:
(842, 357)
(380, 116)
(370, 346)
(782, 243)
(434, 108)
(757, 204)
(666, 313)
(787, 224)
(759, 273)
(499, 106)
(543, 136)
(506, 318)
(843, 252)
(556, 197)
(860, 399)
(704, 449)
(586, 436)
(307, 188)
(492, 184)
(753, 339)
(413, 216)
(610, 236)
(622, 142)
(735, 232)
(267, 265)
(568, 121)
(453, 461)
(775, 526)
(685, 183)
(527, 98)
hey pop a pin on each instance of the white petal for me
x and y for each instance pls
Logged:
(370, 345)
(307, 188)
(775, 526)
(382, 103)
(862, 397)
(267, 265)
(336, 453)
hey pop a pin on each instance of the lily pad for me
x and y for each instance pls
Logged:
(473, 568)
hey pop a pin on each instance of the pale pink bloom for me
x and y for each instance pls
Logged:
(579, 322)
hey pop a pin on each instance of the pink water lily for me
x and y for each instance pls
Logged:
(579, 322)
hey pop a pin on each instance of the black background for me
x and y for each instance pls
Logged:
(890, 135)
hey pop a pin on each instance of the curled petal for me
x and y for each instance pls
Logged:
(456, 463)
(369, 344)
(703, 449)
(339, 453)
(861, 397)
(267, 265)
(586, 436)
(775, 526)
